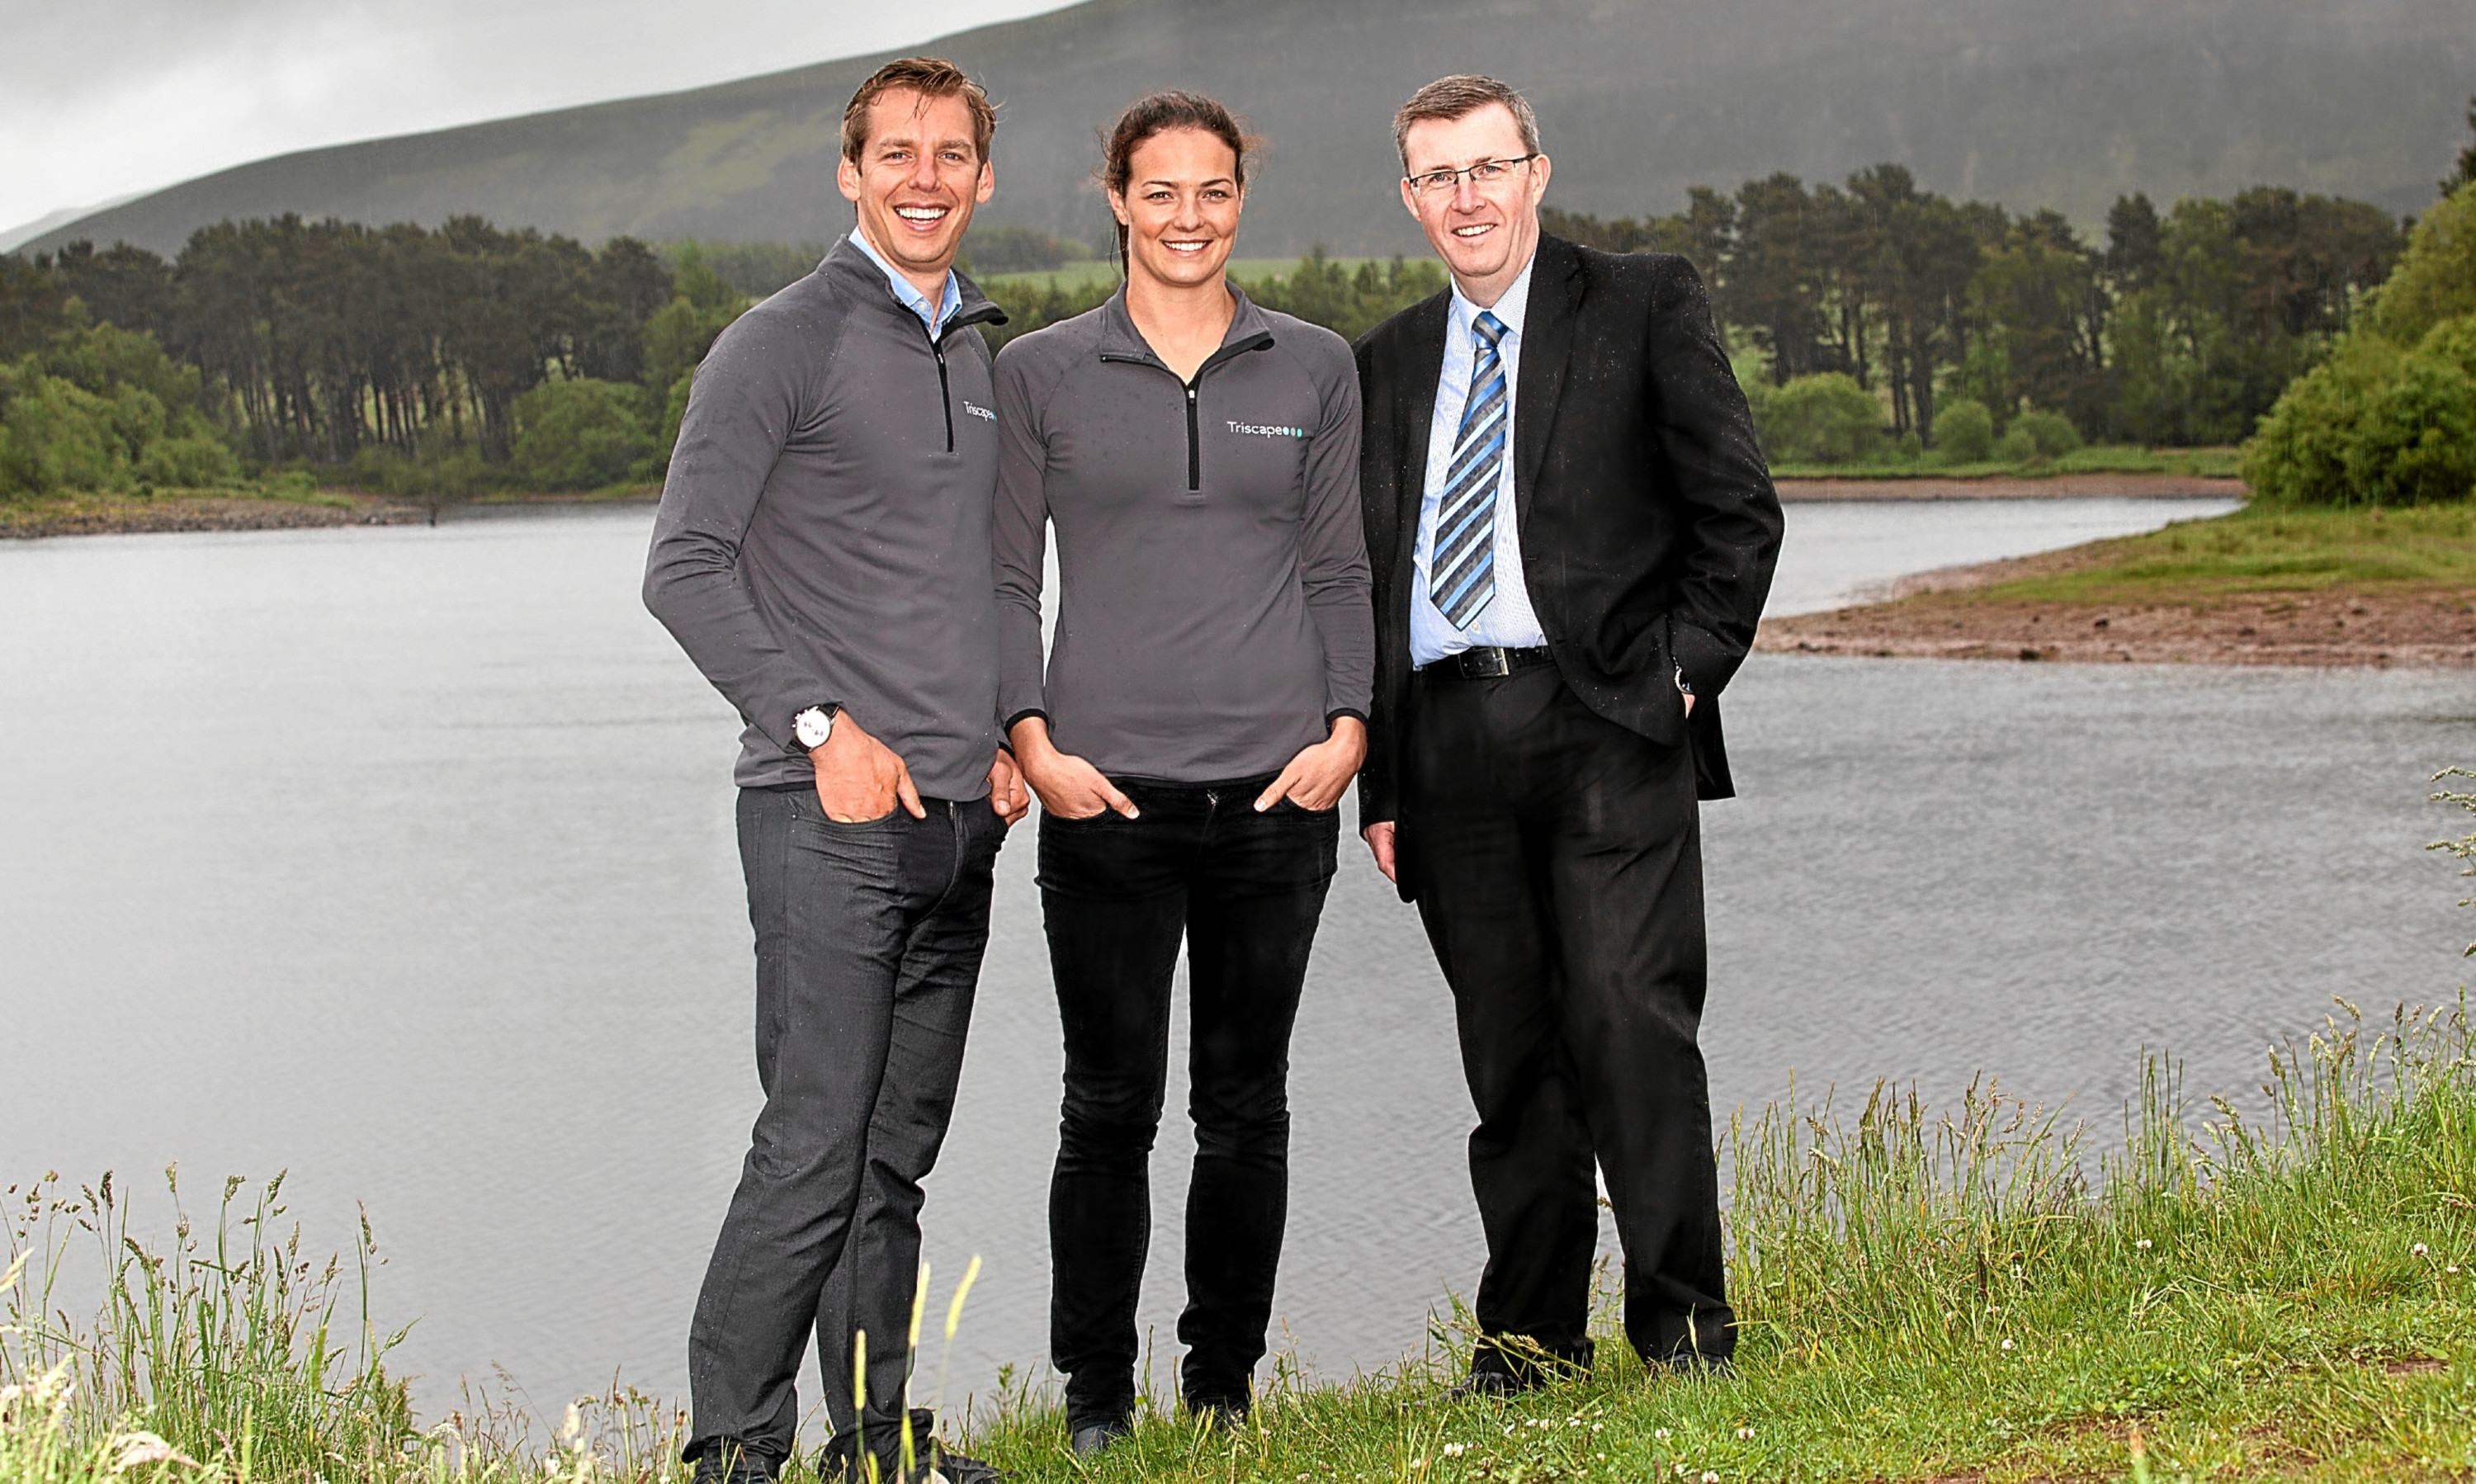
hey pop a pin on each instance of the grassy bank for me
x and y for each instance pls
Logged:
(2099, 459)
(2255, 551)
(2262, 585)
(2286, 1292)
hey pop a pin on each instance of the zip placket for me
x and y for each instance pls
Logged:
(937, 348)
(1194, 431)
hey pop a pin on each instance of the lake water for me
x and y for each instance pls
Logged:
(402, 858)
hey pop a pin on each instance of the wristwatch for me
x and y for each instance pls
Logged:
(813, 726)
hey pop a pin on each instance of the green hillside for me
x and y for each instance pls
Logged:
(2062, 103)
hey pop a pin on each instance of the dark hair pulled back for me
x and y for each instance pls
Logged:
(1160, 113)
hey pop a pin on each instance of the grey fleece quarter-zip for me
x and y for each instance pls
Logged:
(823, 537)
(1213, 615)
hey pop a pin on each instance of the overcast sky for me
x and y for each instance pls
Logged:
(107, 98)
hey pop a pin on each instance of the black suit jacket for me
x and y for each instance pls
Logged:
(1648, 519)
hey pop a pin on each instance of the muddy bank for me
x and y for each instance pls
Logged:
(198, 512)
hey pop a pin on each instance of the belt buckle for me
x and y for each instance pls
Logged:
(1495, 667)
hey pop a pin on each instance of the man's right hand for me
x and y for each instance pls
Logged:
(1068, 787)
(1379, 839)
(860, 778)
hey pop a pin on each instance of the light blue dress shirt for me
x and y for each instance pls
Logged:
(1508, 621)
(912, 298)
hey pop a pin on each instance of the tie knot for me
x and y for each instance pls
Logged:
(1488, 328)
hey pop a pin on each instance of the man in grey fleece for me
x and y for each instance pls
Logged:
(823, 554)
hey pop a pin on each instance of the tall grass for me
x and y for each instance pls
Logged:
(1923, 1292)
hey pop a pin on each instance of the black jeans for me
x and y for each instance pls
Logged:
(869, 940)
(1556, 862)
(1244, 890)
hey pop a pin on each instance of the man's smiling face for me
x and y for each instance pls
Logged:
(1484, 233)
(916, 181)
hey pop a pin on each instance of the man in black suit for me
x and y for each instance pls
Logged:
(1573, 532)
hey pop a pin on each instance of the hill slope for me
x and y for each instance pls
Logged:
(2060, 103)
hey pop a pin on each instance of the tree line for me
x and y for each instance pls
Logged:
(2179, 328)
(1861, 316)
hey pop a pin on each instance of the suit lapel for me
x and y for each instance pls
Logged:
(1547, 333)
(1422, 361)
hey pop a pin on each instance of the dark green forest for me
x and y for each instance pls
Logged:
(1872, 320)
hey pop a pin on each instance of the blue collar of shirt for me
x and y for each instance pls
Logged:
(912, 299)
(1509, 311)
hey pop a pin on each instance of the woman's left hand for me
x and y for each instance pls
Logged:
(1315, 778)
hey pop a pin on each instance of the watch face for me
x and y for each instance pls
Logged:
(812, 727)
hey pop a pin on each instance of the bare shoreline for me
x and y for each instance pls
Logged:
(124, 516)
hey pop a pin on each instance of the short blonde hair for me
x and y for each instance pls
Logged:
(1459, 96)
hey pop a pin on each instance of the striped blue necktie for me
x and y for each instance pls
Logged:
(1461, 570)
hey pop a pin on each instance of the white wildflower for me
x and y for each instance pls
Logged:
(135, 1448)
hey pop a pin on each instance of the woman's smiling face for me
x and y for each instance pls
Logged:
(1181, 206)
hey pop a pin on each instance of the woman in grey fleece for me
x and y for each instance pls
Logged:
(1189, 738)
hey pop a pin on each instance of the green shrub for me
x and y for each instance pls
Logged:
(101, 408)
(2374, 425)
(190, 462)
(580, 433)
(2015, 446)
(1824, 419)
(441, 470)
(1965, 432)
(2436, 279)
(2051, 434)
(55, 436)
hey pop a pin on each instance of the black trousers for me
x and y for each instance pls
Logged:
(869, 940)
(1244, 890)
(1556, 862)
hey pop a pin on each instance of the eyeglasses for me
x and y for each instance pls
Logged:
(1485, 173)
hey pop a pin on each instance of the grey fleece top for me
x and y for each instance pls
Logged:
(824, 533)
(1215, 614)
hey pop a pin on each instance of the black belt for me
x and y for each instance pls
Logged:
(1487, 663)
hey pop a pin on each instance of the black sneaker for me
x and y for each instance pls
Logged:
(1093, 1438)
(726, 1462)
(1694, 1366)
(1218, 1414)
(947, 1467)
(1493, 1385)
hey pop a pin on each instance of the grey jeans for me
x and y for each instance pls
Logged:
(869, 940)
